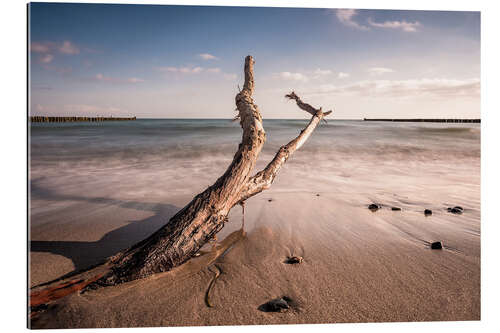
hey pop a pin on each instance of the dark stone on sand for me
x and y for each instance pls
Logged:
(456, 210)
(396, 209)
(39, 308)
(317, 195)
(293, 260)
(427, 212)
(374, 207)
(436, 246)
(275, 305)
(270, 200)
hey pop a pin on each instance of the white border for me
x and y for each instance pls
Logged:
(13, 163)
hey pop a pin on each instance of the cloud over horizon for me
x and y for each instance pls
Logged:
(403, 25)
(66, 47)
(207, 56)
(103, 78)
(183, 70)
(291, 76)
(69, 48)
(345, 16)
(189, 70)
(46, 58)
(379, 70)
(437, 87)
(76, 110)
(343, 75)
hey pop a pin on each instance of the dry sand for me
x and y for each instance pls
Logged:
(358, 266)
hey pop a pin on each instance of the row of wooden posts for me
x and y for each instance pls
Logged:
(438, 120)
(44, 119)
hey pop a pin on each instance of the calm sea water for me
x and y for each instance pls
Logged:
(157, 158)
(146, 141)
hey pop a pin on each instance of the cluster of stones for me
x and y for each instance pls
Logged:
(427, 212)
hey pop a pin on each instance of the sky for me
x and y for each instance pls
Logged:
(161, 61)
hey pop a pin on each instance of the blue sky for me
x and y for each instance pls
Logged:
(186, 61)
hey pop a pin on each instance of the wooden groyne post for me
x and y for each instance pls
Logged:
(427, 120)
(45, 119)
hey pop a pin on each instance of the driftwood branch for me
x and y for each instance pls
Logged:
(200, 220)
(263, 179)
(206, 214)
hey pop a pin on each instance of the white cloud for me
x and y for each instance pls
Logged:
(403, 25)
(103, 78)
(320, 72)
(40, 108)
(343, 75)
(437, 87)
(68, 48)
(49, 49)
(196, 70)
(77, 110)
(134, 80)
(46, 58)
(63, 70)
(345, 16)
(304, 76)
(183, 70)
(40, 47)
(207, 56)
(291, 76)
(84, 108)
(379, 70)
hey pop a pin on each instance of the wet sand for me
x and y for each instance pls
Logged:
(358, 266)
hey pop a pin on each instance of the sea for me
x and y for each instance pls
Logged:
(153, 160)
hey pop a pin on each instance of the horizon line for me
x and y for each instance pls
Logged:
(194, 118)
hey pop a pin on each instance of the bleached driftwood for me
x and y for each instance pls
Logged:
(200, 220)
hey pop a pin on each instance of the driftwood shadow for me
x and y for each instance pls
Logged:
(86, 254)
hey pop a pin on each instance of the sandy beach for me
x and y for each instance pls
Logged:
(359, 266)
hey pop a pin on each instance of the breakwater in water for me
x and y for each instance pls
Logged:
(429, 120)
(44, 119)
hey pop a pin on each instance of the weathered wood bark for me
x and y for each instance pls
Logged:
(206, 214)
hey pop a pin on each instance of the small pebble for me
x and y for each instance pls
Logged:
(275, 305)
(395, 209)
(436, 246)
(374, 207)
(427, 212)
(270, 200)
(294, 260)
(317, 195)
(456, 210)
